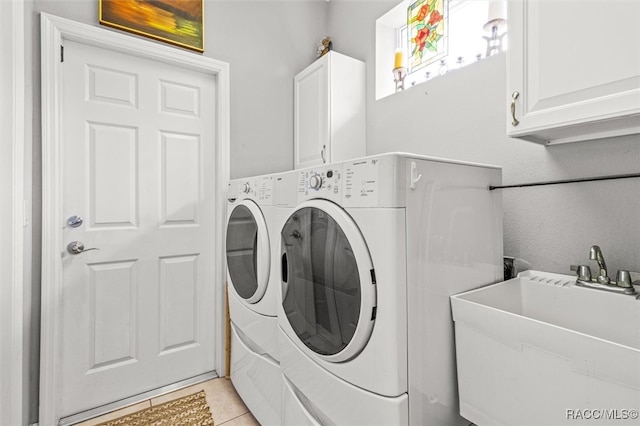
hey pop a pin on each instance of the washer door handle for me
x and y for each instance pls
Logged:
(285, 275)
(285, 268)
(415, 177)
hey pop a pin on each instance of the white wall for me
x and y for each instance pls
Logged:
(463, 115)
(6, 229)
(265, 42)
(12, 94)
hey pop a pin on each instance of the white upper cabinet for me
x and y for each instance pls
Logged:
(573, 69)
(329, 111)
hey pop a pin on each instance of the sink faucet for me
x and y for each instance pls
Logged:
(596, 254)
(623, 283)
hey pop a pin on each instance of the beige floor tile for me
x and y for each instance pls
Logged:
(243, 420)
(115, 414)
(223, 400)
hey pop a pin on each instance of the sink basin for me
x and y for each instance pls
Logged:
(538, 350)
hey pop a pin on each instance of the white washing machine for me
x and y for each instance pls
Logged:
(371, 249)
(253, 296)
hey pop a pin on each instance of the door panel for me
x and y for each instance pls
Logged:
(179, 98)
(113, 86)
(113, 175)
(178, 303)
(113, 294)
(180, 178)
(138, 167)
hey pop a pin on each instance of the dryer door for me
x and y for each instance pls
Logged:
(248, 254)
(328, 282)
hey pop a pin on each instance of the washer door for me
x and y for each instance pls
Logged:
(248, 254)
(328, 282)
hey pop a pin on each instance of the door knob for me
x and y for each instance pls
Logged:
(77, 247)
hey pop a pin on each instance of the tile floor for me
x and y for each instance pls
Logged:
(226, 406)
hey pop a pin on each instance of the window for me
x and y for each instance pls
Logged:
(436, 37)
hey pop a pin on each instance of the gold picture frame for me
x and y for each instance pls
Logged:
(179, 22)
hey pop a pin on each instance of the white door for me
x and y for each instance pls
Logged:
(138, 160)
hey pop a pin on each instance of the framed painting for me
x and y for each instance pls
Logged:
(178, 22)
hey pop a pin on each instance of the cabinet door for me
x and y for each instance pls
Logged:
(311, 115)
(576, 69)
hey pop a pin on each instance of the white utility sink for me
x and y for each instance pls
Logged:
(539, 350)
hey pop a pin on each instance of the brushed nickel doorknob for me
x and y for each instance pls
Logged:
(77, 247)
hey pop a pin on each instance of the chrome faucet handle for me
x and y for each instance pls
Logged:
(596, 254)
(583, 271)
(624, 282)
(623, 279)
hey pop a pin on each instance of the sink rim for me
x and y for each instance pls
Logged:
(508, 297)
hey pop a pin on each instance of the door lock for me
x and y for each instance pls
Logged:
(74, 221)
(77, 247)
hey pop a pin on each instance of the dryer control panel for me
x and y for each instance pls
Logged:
(258, 189)
(321, 182)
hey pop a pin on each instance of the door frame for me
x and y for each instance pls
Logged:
(54, 31)
(13, 221)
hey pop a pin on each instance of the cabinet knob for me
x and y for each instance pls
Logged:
(514, 121)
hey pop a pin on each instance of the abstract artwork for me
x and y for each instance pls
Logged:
(178, 22)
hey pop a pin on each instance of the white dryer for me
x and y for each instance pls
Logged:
(371, 249)
(253, 296)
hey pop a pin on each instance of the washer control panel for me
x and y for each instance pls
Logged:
(321, 182)
(361, 180)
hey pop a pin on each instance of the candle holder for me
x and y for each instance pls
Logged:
(496, 22)
(495, 42)
(399, 75)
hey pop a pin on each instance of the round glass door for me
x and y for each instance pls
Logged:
(248, 255)
(328, 292)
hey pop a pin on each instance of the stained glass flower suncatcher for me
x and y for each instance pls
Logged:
(427, 23)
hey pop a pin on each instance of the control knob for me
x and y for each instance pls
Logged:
(315, 182)
(246, 188)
